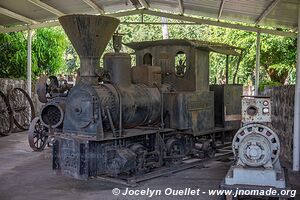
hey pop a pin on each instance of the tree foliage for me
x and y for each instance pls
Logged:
(13, 55)
(48, 48)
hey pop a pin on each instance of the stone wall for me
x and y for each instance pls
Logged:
(283, 118)
(8, 84)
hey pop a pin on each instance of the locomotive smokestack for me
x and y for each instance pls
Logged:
(89, 34)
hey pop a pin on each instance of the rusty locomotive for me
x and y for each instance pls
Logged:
(128, 120)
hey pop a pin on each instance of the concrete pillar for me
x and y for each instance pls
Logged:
(296, 141)
(29, 42)
(257, 63)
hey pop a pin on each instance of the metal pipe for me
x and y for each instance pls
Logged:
(296, 141)
(29, 43)
(227, 68)
(257, 63)
(237, 67)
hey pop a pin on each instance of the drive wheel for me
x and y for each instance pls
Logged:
(37, 135)
(175, 151)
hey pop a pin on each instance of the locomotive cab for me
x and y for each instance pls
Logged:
(191, 103)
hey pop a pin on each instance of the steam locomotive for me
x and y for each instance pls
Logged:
(128, 120)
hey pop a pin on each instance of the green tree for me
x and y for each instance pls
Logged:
(49, 46)
(13, 55)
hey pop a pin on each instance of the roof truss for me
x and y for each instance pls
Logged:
(17, 16)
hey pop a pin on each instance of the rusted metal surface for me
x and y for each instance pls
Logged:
(118, 66)
(132, 120)
(148, 75)
(21, 105)
(6, 118)
(190, 111)
(52, 114)
(227, 105)
(89, 34)
(256, 109)
(199, 44)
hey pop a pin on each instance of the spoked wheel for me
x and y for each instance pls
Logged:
(6, 119)
(175, 151)
(37, 135)
(22, 108)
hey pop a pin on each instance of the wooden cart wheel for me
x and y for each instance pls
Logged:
(22, 108)
(6, 119)
(37, 135)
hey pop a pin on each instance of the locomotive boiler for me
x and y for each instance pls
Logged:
(131, 119)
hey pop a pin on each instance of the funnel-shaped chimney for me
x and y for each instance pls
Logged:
(89, 34)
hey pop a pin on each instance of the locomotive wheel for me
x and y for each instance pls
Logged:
(140, 152)
(175, 151)
(22, 108)
(209, 149)
(6, 119)
(37, 135)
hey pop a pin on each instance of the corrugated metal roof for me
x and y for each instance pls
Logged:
(283, 13)
(208, 46)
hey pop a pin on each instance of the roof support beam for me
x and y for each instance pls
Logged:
(167, 15)
(19, 17)
(47, 7)
(56, 23)
(296, 136)
(29, 61)
(181, 8)
(144, 4)
(221, 9)
(266, 11)
(93, 5)
(219, 24)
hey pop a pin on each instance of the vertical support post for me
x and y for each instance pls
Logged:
(29, 42)
(296, 139)
(227, 69)
(164, 27)
(257, 63)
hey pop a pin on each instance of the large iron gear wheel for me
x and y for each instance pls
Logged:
(255, 145)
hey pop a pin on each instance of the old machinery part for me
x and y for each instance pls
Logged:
(141, 153)
(6, 118)
(117, 42)
(37, 135)
(209, 149)
(175, 151)
(256, 109)
(50, 87)
(89, 35)
(256, 145)
(52, 114)
(140, 106)
(41, 89)
(22, 108)
(118, 66)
